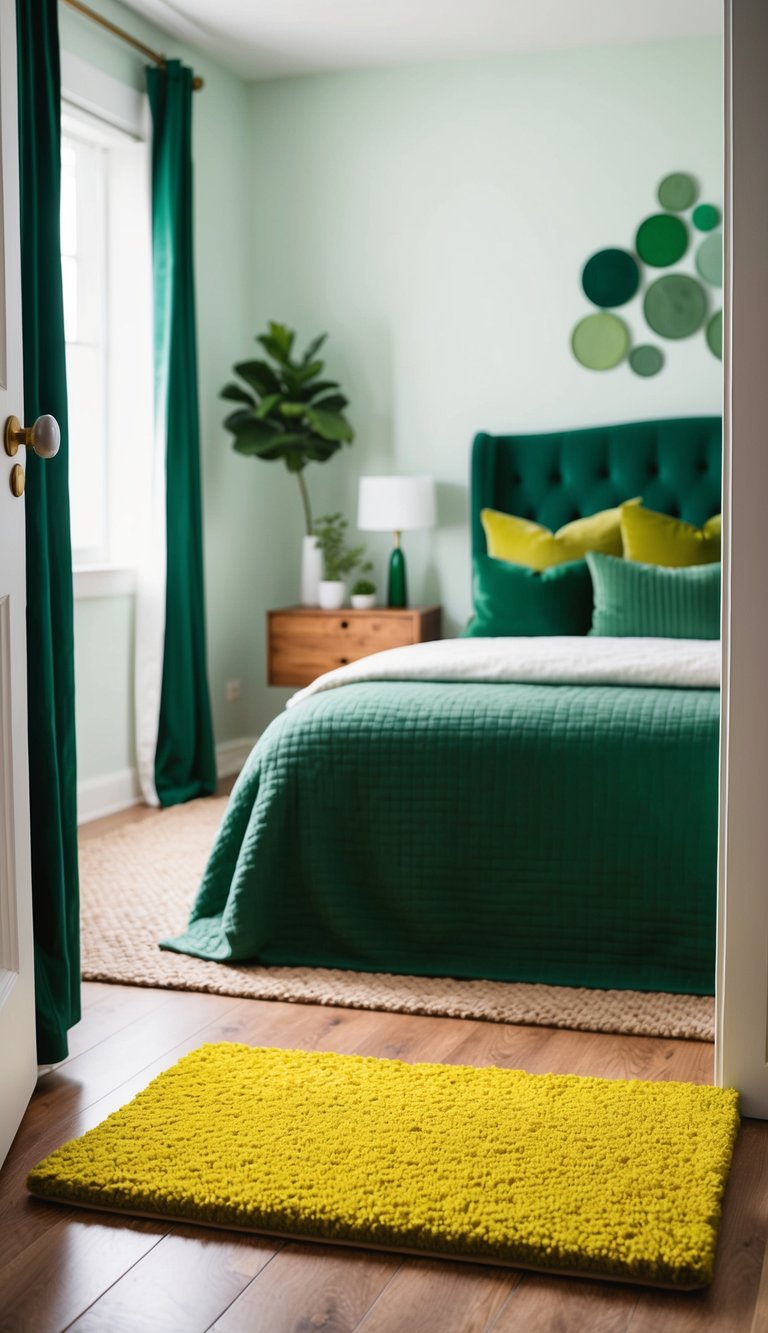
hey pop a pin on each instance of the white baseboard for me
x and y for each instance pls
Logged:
(231, 755)
(98, 797)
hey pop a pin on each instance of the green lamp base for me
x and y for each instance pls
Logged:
(397, 590)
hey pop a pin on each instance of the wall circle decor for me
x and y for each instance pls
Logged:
(661, 240)
(677, 191)
(600, 342)
(646, 360)
(705, 217)
(675, 306)
(709, 259)
(715, 335)
(610, 277)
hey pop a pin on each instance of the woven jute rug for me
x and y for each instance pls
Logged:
(138, 884)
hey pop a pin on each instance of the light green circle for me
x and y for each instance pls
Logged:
(600, 342)
(677, 191)
(705, 217)
(675, 306)
(709, 259)
(646, 360)
(715, 335)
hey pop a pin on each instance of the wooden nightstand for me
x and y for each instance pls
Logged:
(303, 642)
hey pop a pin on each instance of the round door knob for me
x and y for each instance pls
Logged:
(44, 437)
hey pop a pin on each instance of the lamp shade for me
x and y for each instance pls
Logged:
(395, 504)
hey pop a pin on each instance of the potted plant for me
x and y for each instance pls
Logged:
(363, 596)
(289, 412)
(338, 559)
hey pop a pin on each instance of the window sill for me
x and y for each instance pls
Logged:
(103, 581)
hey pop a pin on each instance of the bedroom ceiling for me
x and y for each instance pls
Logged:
(275, 38)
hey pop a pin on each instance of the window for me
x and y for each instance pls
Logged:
(106, 279)
(84, 279)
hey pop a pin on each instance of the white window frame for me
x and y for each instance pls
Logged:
(91, 95)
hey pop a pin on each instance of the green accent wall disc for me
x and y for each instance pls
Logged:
(661, 240)
(715, 335)
(600, 342)
(677, 191)
(675, 306)
(709, 259)
(646, 360)
(610, 277)
(705, 217)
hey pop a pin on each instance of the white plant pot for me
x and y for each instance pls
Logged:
(332, 594)
(363, 601)
(311, 571)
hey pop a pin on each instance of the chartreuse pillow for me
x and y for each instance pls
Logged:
(512, 600)
(652, 601)
(524, 542)
(657, 539)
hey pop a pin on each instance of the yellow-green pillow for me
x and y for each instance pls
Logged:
(524, 542)
(657, 539)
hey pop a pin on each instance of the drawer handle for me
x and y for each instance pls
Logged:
(345, 624)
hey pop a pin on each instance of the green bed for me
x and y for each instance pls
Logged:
(561, 833)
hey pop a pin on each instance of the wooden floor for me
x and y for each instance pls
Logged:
(66, 1269)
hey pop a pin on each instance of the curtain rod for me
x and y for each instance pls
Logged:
(124, 36)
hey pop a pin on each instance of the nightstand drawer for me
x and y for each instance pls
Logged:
(304, 643)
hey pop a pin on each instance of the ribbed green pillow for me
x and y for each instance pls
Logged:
(514, 600)
(653, 601)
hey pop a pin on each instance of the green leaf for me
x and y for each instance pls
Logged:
(313, 347)
(236, 419)
(322, 386)
(335, 402)
(331, 425)
(267, 404)
(278, 343)
(282, 335)
(259, 375)
(292, 409)
(235, 394)
(308, 372)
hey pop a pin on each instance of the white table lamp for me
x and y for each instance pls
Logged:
(397, 505)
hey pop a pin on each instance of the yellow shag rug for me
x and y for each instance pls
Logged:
(581, 1175)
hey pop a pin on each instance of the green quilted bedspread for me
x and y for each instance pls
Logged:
(541, 833)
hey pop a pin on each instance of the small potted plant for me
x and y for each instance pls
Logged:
(363, 596)
(338, 559)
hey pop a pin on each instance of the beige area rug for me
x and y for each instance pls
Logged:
(138, 884)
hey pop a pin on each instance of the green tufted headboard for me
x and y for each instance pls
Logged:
(674, 466)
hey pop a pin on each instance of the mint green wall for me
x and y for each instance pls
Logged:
(436, 219)
(244, 514)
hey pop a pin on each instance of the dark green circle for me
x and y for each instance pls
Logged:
(715, 335)
(646, 360)
(677, 192)
(705, 217)
(661, 240)
(675, 306)
(600, 342)
(709, 259)
(610, 277)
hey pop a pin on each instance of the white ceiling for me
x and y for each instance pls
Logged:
(275, 38)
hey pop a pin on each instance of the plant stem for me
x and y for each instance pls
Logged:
(305, 501)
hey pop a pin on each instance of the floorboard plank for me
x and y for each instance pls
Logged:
(184, 1283)
(541, 1304)
(311, 1287)
(436, 1297)
(57, 1277)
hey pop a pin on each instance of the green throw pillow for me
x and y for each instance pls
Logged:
(516, 601)
(653, 601)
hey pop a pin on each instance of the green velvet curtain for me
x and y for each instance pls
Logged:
(185, 764)
(50, 646)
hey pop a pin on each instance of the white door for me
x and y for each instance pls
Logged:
(18, 1067)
